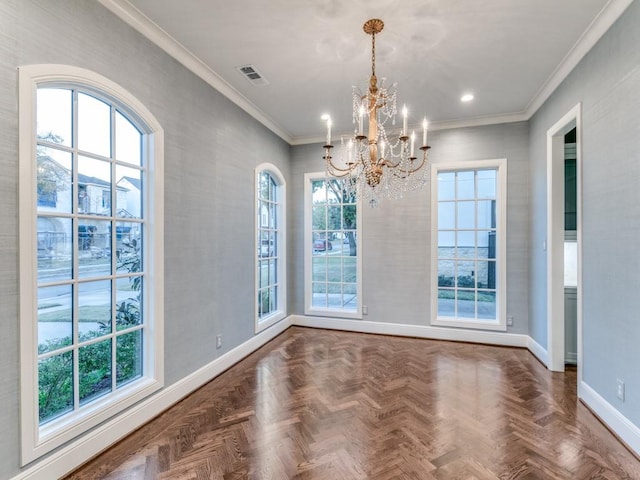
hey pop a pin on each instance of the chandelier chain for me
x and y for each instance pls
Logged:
(373, 54)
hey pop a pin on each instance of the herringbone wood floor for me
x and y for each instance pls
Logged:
(317, 404)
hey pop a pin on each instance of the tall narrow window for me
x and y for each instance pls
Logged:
(469, 245)
(91, 295)
(332, 260)
(270, 246)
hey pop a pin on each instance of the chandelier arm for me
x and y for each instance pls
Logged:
(348, 169)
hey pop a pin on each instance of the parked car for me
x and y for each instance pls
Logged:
(322, 245)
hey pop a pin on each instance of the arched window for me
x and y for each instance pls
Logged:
(270, 246)
(91, 253)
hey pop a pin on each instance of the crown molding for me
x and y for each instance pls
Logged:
(598, 27)
(140, 22)
(147, 27)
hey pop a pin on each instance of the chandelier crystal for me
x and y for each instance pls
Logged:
(373, 163)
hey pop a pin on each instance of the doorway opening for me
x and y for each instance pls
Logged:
(564, 245)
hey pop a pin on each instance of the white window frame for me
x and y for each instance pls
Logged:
(500, 323)
(37, 440)
(309, 309)
(281, 242)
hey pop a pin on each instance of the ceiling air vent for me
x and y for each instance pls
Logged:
(251, 73)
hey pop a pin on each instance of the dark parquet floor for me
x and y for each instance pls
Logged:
(317, 404)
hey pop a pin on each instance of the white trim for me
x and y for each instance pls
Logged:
(418, 331)
(555, 238)
(538, 351)
(75, 454)
(611, 417)
(36, 440)
(598, 27)
(147, 27)
(281, 242)
(500, 165)
(308, 255)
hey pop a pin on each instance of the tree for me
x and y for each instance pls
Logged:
(346, 218)
(52, 177)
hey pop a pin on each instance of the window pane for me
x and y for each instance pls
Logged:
(350, 296)
(273, 211)
(128, 302)
(486, 214)
(486, 244)
(273, 299)
(334, 295)
(128, 247)
(349, 217)
(350, 270)
(54, 245)
(128, 192)
(319, 191)
(94, 316)
(466, 185)
(319, 269)
(55, 322)
(94, 179)
(319, 294)
(94, 125)
(334, 190)
(446, 242)
(128, 141)
(487, 305)
(446, 302)
(53, 180)
(334, 269)
(334, 218)
(486, 184)
(466, 245)
(446, 215)
(273, 275)
(446, 273)
(466, 274)
(55, 386)
(466, 303)
(485, 275)
(54, 108)
(128, 357)
(319, 218)
(446, 186)
(94, 248)
(94, 370)
(263, 186)
(466, 214)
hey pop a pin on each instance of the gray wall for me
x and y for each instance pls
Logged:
(211, 149)
(396, 235)
(607, 82)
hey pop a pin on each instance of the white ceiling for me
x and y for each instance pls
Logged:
(509, 53)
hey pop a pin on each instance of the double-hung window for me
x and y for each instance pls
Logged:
(270, 246)
(468, 238)
(332, 255)
(91, 253)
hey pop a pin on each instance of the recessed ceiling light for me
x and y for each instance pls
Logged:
(467, 97)
(325, 117)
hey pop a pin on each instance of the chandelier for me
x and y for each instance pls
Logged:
(373, 163)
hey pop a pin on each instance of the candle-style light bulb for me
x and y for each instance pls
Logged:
(361, 121)
(413, 141)
(404, 120)
(382, 147)
(424, 132)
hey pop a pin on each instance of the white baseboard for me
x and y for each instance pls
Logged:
(418, 331)
(78, 452)
(616, 421)
(538, 351)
